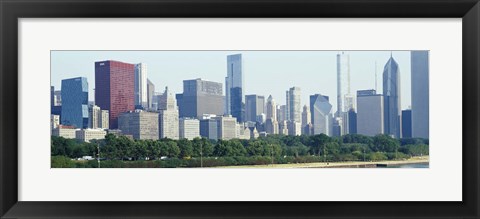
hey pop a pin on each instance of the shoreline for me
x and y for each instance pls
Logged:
(348, 164)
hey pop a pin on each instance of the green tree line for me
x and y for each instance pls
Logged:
(350, 147)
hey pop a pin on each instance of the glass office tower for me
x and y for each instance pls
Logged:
(75, 102)
(234, 82)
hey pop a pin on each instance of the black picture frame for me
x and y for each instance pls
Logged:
(12, 10)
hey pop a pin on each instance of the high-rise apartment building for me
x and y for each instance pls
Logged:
(75, 102)
(234, 87)
(254, 106)
(420, 93)
(391, 99)
(200, 97)
(141, 93)
(114, 88)
(370, 118)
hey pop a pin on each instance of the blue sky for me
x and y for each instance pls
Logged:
(266, 72)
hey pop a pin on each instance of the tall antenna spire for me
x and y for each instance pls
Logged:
(375, 76)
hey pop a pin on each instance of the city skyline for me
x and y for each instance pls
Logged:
(170, 68)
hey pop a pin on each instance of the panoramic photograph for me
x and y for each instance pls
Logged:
(239, 109)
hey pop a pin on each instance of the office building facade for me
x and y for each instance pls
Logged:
(370, 118)
(406, 123)
(87, 135)
(75, 102)
(352, 121)
(209, 128)
(226, 127)
(150, 93)
(140, 124)
(391, 99)
(94, 117)
(200, 97)
(114, 88)
(189, 128)
(420, 94)
(254, 106)
(168, 116)
(234, 87)
(321, 113)
(294, 107)
(140, 88)
(343, 83)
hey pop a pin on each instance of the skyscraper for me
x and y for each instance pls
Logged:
(168, 116)
(391, 99)
(352, 121)
(271, 123)
(406, 123)
(94, 116)
(420, 94)
(234, 82)
(294, 106)
(75, 102)
(141, 96)
(114, 88)
(294, 128)
(150, 93)
(271, 108)
(343, 83)
(306, 116)
(320, 114)
(200, 97)
(281, 113)
(370, 120)
(104, 119)
(254, 106)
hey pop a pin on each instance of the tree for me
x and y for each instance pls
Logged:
(237, 149)
(385, 143)
(256, 148)
(186, 148)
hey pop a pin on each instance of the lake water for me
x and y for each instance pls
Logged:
(413, 165)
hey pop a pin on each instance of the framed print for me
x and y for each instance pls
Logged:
(239, 109)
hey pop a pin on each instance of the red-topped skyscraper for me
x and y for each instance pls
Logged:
(114, 88)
